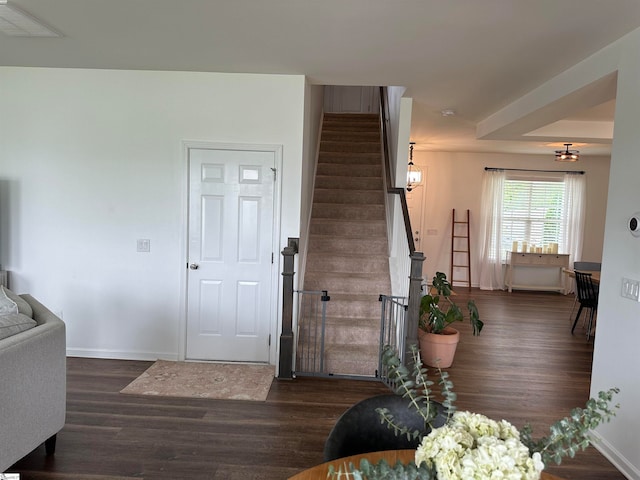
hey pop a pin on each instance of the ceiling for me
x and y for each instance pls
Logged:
(474, 57)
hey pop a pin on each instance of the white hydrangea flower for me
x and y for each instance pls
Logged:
(473, 446)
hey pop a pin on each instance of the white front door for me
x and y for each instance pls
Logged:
(230, 259)
(414, 205)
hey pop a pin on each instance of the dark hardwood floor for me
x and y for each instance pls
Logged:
(525, 366)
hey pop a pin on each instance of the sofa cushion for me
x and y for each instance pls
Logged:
(6, 304)
(12, 323)
(23, 307)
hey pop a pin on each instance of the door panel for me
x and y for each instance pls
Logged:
(230, 277)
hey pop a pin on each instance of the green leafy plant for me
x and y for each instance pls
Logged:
(570, 434)
(413, 384)
(567, 436)
(434, 317)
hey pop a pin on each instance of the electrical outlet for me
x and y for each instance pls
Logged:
(631, 289)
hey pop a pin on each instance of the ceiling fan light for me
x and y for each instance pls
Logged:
(567, 155)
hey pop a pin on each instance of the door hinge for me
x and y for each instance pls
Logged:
(275, 173)
(269, 339)
(271, 257)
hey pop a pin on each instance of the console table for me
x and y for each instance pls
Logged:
(524, 260)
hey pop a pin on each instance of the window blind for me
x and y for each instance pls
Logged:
(532, 211)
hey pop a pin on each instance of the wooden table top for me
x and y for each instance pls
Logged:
(595, 275)
(319, 472)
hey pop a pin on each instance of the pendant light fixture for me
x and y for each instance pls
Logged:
(414, 174)
(567, 155)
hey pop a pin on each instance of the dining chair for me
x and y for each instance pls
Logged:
(587, 295)
(588, 267)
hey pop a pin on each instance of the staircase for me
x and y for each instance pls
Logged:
(347, 252)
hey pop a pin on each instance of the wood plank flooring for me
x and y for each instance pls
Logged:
(525, 366)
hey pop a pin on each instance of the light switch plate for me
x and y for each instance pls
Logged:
(630, 289)
(144, 245)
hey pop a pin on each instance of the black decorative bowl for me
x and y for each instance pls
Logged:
(360, 430)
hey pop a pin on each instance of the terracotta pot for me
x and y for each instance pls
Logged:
(438, 350)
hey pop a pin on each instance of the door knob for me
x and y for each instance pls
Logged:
(194, 266)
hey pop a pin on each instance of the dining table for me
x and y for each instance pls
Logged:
(320, 472)
(595, 274)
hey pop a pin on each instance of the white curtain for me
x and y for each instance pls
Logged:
(575, 188)
(491, 270)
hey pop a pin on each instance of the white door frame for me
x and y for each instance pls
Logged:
(275, 270)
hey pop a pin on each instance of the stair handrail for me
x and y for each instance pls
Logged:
(416, 258)
(384, 117)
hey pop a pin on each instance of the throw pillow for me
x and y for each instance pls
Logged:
(13, 323)
(6, 304)
(23, 307)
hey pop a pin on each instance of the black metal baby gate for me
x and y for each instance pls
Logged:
(313, 309)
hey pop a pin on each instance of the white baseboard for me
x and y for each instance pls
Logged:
(618, 460)
(120, 355)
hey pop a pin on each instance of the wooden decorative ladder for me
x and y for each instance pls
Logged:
(460, 251)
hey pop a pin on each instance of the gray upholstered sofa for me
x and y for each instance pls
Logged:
(32, 383)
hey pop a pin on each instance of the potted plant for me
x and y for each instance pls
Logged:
(438, 339)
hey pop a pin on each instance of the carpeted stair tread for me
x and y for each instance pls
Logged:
(329, 244)
(359, 183)
(346, 158)
(349, 146)
(349, 170)
(340, 195)
(339, 282)
(346, 330)
(347, 227)
(347, 211)
(364, 305)
(346, 263)
(358, 136)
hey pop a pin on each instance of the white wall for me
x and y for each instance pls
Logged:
(616, 360)
(454, 180)
(314, 99)
(91, 160)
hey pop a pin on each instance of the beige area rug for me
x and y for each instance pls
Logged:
(204, 380)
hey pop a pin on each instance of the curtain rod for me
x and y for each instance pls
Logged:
(496, 169)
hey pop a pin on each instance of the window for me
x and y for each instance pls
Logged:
(532, 211)
(538, 207)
